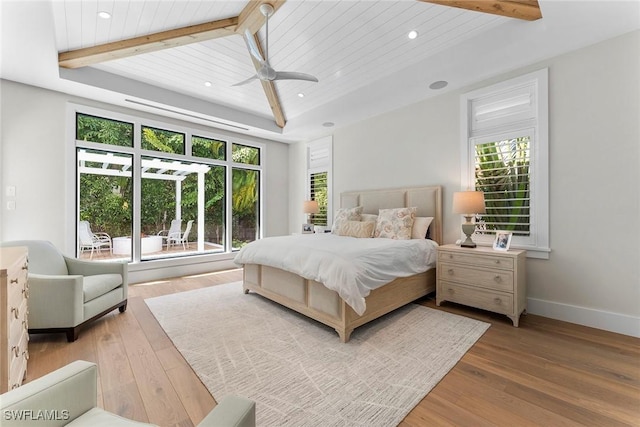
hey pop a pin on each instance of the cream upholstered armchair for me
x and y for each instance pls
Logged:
(68, 396)
(65, 293)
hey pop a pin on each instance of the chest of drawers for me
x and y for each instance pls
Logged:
(483, 278)
(14, 336)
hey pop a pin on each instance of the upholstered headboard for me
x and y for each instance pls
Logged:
(428, 200)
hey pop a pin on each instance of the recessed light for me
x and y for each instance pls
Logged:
(301, 95)
(328, 124)
(104, 14)
(207, 84)
(412, 34)
(438, 85)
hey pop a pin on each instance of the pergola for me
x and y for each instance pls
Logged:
(167, 170)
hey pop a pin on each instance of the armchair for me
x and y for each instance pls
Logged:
(69, 395)
(65, 293)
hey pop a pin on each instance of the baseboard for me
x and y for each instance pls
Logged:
(613, 322)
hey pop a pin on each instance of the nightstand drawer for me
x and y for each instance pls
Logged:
(501, 280)
(498, 302)
(492, 261)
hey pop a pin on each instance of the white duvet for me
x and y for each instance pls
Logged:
(348, 265)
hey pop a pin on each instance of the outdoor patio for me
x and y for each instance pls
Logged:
(172, 251)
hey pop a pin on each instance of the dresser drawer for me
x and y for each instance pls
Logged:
(19, 324)
(492, 261)
(499, 302)
(500, 280)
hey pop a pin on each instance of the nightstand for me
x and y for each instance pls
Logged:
(483, 278)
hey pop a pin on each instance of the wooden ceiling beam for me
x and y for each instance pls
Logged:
(149, 43)
(270, 90)
(528, 10)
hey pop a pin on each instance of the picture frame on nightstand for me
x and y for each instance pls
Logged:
(307, 228)
(502, 240)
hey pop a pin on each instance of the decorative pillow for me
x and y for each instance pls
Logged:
(345, 214)
(395, 223)
(357, 228)
(368, 217)
(420, 226)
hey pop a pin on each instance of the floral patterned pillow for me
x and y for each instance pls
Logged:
(345, 214)
(395, 223)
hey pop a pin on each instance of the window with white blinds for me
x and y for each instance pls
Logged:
(505, 155)
(319, 179)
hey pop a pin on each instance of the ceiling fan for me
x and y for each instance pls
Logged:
(266, 71)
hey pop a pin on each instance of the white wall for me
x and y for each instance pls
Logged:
(593, 274)
(33, 155)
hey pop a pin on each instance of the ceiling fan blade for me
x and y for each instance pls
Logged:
(244, 82)
(253, 47)
(292, 75)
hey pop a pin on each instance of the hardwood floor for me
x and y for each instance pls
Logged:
(545, 373)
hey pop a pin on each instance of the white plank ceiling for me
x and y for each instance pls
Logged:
(346, 44)
(358, 49)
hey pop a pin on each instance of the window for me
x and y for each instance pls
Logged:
(163, 192)
(505, 155)
(319, 179)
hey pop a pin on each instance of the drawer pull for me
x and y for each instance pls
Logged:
(13, 280)
(15, 386)
(451, 291)
(26, 354)
(24, 267)
(497, 261)
(15, 350)
(498, 279)
(450, 271)
(497, 300)
(16, 312)
(450, 256)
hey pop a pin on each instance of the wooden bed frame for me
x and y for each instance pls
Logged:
(316, 301)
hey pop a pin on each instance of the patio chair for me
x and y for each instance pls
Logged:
(181, 238)
(94, 241)
(173, 233)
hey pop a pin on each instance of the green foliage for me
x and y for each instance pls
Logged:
(502, 173)
(105, 202)
(162, 140)
(244, 154)
(96, 129)
(208, 148)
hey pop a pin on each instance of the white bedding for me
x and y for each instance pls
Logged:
(348, 265)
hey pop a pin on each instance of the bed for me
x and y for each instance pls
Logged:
(314, 300)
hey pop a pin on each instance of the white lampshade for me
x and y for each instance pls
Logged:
(310, 207)
(468, 202)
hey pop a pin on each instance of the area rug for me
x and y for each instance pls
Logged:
(298, 371)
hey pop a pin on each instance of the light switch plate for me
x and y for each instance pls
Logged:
(11, 205)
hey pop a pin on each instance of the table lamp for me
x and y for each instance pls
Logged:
(310, 207)
(468, 203)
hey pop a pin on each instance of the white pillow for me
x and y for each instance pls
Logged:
(395, 223)
(345, 214)
(420, 227)
(357, 228)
